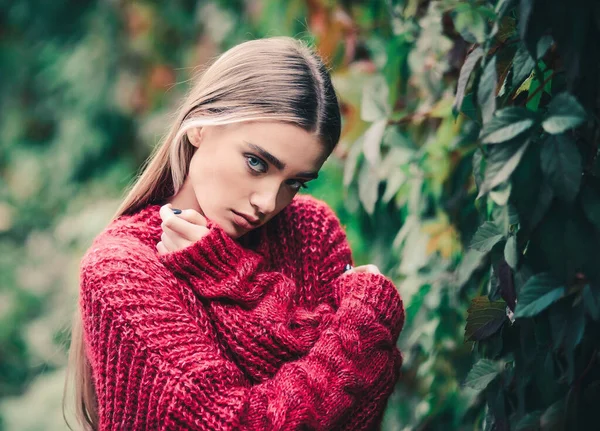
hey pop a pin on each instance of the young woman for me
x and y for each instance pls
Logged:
(218, 299)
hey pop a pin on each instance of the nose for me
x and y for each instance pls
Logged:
(264, 201)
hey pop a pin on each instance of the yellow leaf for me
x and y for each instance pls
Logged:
(524, 86)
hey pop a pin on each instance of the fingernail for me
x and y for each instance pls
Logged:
(348, 267)
(176, 211)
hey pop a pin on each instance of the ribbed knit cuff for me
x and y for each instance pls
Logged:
(374, 291)
(212, 259)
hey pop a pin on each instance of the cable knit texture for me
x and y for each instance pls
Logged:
(268, 335)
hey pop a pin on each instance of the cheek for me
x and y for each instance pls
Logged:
(284, 198)
(222, 178)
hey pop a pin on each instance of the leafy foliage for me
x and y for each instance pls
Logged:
(539, 152)
(524, 118)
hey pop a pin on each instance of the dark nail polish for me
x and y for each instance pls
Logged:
(176, 211)
(348, 267)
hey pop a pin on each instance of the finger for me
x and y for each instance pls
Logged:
(190, 215)
(362, 268)
(183, 224)
(168, 242)
(193, 216)
(372, 269)
(161, 248)
(166, 213)
(173, 239)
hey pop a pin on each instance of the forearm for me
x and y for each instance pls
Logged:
(324, 390)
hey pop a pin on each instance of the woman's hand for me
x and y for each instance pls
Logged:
(180, 230)
(371, 269)
(345, 288)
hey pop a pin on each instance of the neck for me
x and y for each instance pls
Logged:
(185, 198)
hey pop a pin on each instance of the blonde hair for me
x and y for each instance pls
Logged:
(273, 79)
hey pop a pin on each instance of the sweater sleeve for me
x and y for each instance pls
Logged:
(157, 366)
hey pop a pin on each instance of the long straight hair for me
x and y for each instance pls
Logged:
(273, 79)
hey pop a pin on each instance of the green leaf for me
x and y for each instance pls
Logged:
(463, 79)
(539, 293)
(511, 254)
(525, 86)
(590, 202)
(564, 112)
(501, 163)
(352, 160)
(548, 388)
(506, 286)
(477, 171)
(368, 187)
(500, 195)
(575, 327)
(529, 422)
(522, 66)
(392, 185)
(471, 261)
(553, 417)
(544, 200)
(486, 237)
(482, 374)
(469, 109)
(507, 124)
(487, 12)
(375, 104)
(417, 304)
(486, 91)
(568, 325)
(513, 215)
(469, 23)
(561, 165)
(543, 44)
(534, 103)
(484, 318)
(372, 141)
(591, 301)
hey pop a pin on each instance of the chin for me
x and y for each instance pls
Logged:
(230, 230)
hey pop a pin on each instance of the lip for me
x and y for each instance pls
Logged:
(245, 221)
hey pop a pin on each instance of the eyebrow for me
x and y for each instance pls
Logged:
(278, 163)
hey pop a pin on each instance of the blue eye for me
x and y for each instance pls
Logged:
(256, 164)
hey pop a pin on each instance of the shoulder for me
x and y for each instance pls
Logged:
(311, 220)
(108, 247)
(124, 249)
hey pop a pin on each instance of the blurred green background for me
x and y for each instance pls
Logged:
(87, 89)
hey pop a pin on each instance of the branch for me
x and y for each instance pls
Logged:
(541, 87)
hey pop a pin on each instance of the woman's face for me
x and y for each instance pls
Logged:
(242, 175)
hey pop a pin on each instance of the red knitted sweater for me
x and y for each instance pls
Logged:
(221, 336)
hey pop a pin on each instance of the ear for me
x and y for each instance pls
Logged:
(195, 136)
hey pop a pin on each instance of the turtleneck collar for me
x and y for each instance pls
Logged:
(149, 216)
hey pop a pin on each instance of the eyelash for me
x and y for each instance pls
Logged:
(264, 169)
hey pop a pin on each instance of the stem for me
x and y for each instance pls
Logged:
(541, 87)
